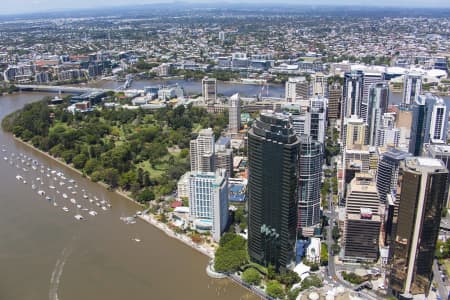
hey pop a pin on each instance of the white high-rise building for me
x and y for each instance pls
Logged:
(319, 85)
(208, 201)
(234, 113)
(439, 117)
(378, 103)
(369, 80)
(202, 151)
(209, 89)
(221, 36)
(412, 87)
(297, 88)
(317, 119)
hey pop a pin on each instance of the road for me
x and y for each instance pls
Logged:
(443, 292)
(332, 217)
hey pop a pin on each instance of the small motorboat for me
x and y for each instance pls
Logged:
(93, 213)
(78, 217)
(65, 209)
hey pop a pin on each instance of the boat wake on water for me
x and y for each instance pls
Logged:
(57, 272)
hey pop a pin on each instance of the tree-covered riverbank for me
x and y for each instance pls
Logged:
(141, 152)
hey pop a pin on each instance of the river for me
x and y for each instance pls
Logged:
(46, 253)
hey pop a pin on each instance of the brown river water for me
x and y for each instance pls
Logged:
(45, 253)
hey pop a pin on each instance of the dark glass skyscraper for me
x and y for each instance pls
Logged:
(273, 151)
(422, 197)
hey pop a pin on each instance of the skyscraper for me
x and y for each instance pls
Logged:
(423, 186)
(377, 104)
(387, 134)
(354, 133)
(310, 178)
(224, 155)
(353, 93)
(297, 88)
(319, 85)
(439, 121)
(334, 101)
(273, 151)
(388, 169)
(369, 80)
(362, 220)
(209, 89)
(441, 152)
(202, 151)
(208, 200)
(234, 113)
(317, 119)
(412, 87)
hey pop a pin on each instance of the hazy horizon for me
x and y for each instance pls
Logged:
(39, 6)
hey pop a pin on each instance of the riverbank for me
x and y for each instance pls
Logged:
(147, 217)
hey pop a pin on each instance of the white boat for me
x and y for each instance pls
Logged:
(139, 213)
(84, 209)
(41, 193)
(51, 187)
(61, 183)
(71, 181)
(136, 240)
(73, 201)
(53, 171)
(103, 202)
(95, 197)
(98, 204)
(18, 177)
(91, 200)
(34, 168)
(64, 195)
(48, 175)
(33, 186)
(85, 196)
(93, 213)
(5, 158)
(74, 193)
(38, 178)
(25, 182)
(69, 187)
(104, 208)
(78, 205)
(55, 204)
(48, 198)
(65, 209)
(78, 217)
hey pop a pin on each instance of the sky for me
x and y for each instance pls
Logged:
(27, 6)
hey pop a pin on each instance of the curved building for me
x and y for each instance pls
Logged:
(272, 190)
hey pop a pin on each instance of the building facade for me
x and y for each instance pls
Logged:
(234, 113)
(201, 151)
(209, 89)
(272, 190)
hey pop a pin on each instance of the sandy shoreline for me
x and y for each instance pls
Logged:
(146, 218)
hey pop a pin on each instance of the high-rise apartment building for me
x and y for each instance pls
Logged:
(297, 88)
(441, 152)
(234, 113)
(387, 134)
(377, 104)
(388, 170)
(412, 88)
(439, 122)
(362, 220)
(208, 200)
(354, 132)
(310, 178)
(422, 193)
(319, 85)
(209, 89)
(224, 155)
(334, 101)
(317, 119)
(273, 149)
(202, 151)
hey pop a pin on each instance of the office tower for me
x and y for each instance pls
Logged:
(273, 151)
(354, 133)
(234, 113)
(441, 152)
(221, 36)
(403, 121)
(224, 155)
(439, 121)
(334, 101)
(362, 220)
(412, 87)
(388, 169)
(317, 119)
(319, 85)
(208, 201)
(353, 93)
(369, 80)
(422, 192)
(202, 151)
(209, 89)
(387, 134)
(309, 182)
(429, 123)
(297, 88)
(378, 104)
